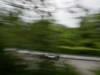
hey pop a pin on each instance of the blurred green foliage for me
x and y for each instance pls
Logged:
(97, 71)
(44, 35)
(11, 64)
(90, 31)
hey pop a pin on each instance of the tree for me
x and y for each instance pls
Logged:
(45, 9)
(90, 30)
(10, 64)
(43, 35)
(39, 7)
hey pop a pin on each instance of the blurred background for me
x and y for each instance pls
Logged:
(49, 37)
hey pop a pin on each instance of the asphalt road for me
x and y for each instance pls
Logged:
(65, 56)
(82, 63)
